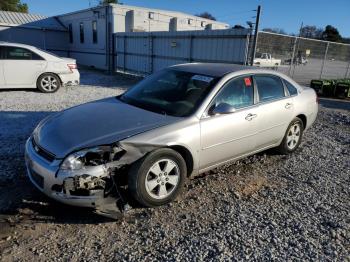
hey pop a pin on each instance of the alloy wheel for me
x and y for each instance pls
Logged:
(293, 136)
(49, 83)
(162, 178)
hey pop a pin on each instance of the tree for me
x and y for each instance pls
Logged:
(311, 31)
(207, 16)
(331, 34)
(14, 6)
(238, 27)
(346, 40)
(275, 30)
(106, 2)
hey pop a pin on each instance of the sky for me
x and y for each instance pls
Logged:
(285, 14)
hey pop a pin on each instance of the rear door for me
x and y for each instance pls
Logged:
(22, 67)
(2, 80)
(275, 109)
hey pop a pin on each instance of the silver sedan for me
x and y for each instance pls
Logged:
(176, 123)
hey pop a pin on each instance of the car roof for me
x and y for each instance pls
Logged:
(211, 69)
(16, 44)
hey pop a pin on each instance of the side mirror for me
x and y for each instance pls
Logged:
(222, 109)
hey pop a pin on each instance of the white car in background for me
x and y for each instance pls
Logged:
(25, 66)
(266, 60)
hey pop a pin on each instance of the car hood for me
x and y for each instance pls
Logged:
(96, 123)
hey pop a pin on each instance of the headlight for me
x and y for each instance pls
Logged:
(73, 162)
(90, 157)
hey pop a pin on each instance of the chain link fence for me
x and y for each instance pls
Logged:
(304, 59)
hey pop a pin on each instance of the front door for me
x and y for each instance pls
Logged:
(22, 67)
(227, 136)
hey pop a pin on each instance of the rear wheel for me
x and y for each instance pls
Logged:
(292, 138)
(48, 83)
(158, 178)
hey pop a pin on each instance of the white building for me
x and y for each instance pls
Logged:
(87, 35)
(92, 46)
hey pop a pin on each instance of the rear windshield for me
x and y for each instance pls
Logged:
(45, 51)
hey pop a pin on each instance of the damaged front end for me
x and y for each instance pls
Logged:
(97, 177)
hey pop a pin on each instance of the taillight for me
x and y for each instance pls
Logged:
(72, 66)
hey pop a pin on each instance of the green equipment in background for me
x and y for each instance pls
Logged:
(325, 87)
(342, 88)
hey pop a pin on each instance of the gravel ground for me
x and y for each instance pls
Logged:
(265, 207)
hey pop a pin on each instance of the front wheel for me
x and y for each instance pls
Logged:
(157, 178)
(292, 138)
(48, 83)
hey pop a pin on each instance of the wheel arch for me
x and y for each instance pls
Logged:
(51, 74)
(303, 119)
(186, 154)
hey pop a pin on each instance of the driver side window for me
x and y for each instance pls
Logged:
(238, 93)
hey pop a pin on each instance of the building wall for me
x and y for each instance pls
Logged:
(51, 40)
(122, 18)
(138, 19)
(87, 53)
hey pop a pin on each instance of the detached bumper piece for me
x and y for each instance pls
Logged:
(71, 83)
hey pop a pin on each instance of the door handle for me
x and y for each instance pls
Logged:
(250, 117)
(288, 105)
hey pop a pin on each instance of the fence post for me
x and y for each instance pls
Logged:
(246, 53)
(292, 58)
(124, 53)
(190, 49)
(347, 70)
(114, 55)
(324, 60)
(150, 42)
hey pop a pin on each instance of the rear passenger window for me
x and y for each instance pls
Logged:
(292, 90)
(269, 87)
(16, 53)
(238, 93)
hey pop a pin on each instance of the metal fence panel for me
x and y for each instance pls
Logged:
(301, 58)
(305, 59)
(147, 52)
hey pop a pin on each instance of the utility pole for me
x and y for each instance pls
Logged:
(258, 11)
(297, 43)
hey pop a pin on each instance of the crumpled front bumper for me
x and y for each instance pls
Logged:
(46, 176)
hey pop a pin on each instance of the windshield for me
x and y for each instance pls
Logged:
(170, 92)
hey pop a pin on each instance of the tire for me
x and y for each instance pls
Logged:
(48, 83)
(148, 178)
(292, 137)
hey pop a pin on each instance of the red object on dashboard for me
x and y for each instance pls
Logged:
(247, 81)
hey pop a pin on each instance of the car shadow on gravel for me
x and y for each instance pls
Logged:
(90, 77)
(20, 202)
(23, 204)
(335, 103)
